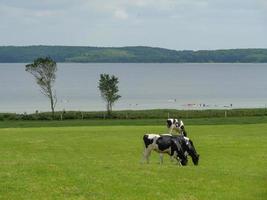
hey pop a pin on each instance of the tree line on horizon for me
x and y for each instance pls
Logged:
(44, 71)
(138, 54)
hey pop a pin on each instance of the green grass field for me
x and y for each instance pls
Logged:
(93, 162)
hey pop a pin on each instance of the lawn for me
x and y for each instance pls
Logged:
(94, 162)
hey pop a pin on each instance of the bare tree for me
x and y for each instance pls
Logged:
(44, 71)
(108, 86)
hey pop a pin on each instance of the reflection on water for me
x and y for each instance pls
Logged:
(142, 86)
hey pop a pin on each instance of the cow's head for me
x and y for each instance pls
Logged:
(183, 161)
(169, 123)
(195, 159)
(192, 152)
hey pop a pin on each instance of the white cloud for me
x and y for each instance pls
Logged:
(120, 14)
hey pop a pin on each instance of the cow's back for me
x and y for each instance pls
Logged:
(149, 139)
(164, 142)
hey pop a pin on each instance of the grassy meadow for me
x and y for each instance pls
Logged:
(64, 161)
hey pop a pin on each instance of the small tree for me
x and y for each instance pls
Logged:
(44, 71)
(108, 86)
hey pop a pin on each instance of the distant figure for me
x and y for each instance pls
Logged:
(177, 125)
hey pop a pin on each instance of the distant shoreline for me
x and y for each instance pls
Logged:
(132, 54)
(139, 114)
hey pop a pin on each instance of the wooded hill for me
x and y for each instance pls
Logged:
(138, 54)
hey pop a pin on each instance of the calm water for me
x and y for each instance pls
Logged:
(142, 86)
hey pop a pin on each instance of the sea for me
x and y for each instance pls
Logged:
(141, 86)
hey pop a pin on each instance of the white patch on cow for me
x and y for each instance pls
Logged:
(186, 138)
(151, 136)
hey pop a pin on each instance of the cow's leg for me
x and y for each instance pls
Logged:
(182, 158)
(179, 161)
(161, 158)
(171, 158)
(173, 155)
(147, 153)
(176, 156)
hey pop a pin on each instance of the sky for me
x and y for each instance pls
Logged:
(173, 24)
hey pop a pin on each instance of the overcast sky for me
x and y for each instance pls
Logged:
(174, 24)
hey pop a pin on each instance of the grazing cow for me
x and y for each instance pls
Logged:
(176, 146)
(150, 141)
(184, 144)
(177, 125)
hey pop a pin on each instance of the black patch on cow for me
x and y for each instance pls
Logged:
(176, 144)
(184, 133)
(164, 142)
(169, 123)
(147, 141)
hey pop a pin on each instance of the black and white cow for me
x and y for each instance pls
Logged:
(184, 144)
(177, 125)
(177, 146)
(151, 143)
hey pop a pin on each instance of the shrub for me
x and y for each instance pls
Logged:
(137, 114)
